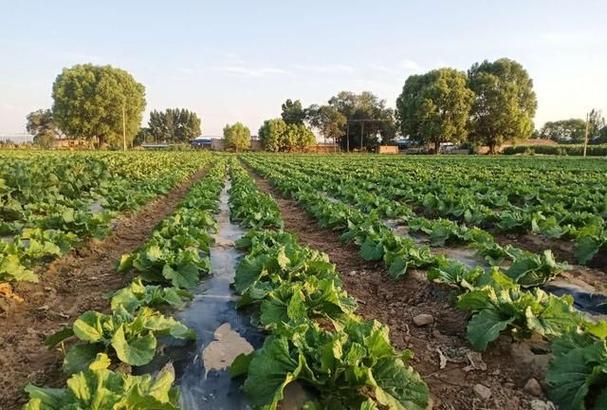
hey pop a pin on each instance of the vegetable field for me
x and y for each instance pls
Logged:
(50, 202)
(358, 281)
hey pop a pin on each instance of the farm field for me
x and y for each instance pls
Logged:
(170, 279)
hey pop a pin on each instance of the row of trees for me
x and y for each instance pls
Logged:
(492, 103)
(350, 119)
(174, 125)
(573, 130)
(105, 104)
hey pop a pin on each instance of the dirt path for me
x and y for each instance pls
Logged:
(69, 286)
(504, 369)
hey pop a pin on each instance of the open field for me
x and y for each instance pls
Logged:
(340, 281)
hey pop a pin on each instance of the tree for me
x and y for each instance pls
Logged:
(270, 134)
(569, 131)
(344, 115)
(504, 103)
(278, 136)
(91, 102)
(41, 125)
(175, 125)
(292, 112)
(328, 121)
(434, 107)
(143, 136)
(237, 137)
(596, 123)
(602, 137)
(304, 137)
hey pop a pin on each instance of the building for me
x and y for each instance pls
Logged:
(202, 142)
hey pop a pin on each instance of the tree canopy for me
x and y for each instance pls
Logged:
(568, 131)
(278, 136)
(435, 107)
(41, 125)
(596, 123)
(504, 103)
(91, 102)
(293, 112)
(602, 136)
(237, 137)
(355, 120)
(175, 125)
(143, 136)
(328, 121)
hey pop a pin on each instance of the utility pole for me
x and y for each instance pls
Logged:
(124, 126)
(348, 136)
(586, 133)
(362, 131)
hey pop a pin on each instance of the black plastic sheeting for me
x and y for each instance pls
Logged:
(214, 304)
(593, 303)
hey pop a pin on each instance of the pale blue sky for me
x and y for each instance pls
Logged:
(239, 60)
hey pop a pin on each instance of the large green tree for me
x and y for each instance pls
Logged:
(568, 131)
(93, 102)
(270, 134)
(504, 103)
(278, 136)
(435, 107)
(293, 112)
(328, 121)
(302, 137)
(359, 121)
(42, 126)
(237, 137)
(175, 125)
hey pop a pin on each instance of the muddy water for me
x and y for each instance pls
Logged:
(222, 331)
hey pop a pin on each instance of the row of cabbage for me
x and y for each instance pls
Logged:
(108, 346)
(53, 201)
(497, 301)
(525, 267)
(553, 198)
(315, 338)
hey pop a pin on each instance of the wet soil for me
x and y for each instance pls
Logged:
(69, 286)
(442, 355)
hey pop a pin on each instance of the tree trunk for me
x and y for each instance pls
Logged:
(492, 149)
(436, 147)
(101, 140)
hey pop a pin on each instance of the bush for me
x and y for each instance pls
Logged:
(575, 150)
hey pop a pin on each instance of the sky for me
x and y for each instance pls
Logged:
(239, 60)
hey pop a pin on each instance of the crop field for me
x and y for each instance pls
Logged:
(166, 280)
